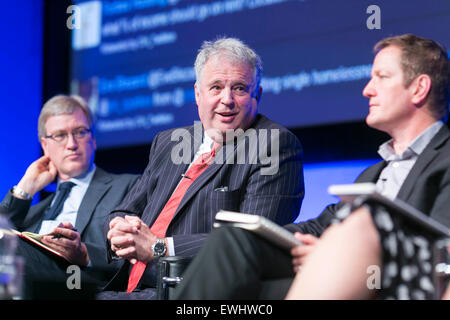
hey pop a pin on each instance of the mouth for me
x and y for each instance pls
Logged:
(72, 156)
(227, 116)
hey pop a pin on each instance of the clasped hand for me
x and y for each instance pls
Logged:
(131, 239)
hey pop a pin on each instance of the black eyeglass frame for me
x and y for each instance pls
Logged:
(77, 134)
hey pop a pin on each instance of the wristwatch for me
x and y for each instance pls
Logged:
(18, 191)
(159, 248)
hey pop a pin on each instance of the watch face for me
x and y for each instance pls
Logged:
(159, 249)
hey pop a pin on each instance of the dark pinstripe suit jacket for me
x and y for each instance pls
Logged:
(427, 186)
(277, 197)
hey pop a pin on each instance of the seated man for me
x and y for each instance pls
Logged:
(391, 259)
(171, 210)
(72, 223)
(408, 97)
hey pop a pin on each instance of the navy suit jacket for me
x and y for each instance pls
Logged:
(427, 186)
(236, 187)
(104, 193)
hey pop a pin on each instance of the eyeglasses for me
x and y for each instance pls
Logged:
(77, 134)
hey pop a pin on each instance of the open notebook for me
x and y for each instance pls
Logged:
(260, 225)
(368, 191)
(34, 238)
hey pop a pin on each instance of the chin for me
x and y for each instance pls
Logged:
(74, 171)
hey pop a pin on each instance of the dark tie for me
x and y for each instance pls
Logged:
(159, 227)
(63, 191)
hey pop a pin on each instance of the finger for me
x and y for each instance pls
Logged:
(67, 225)
(127, 253)
(66, 233)
(135, 221)
(116, 233)
(297, 269)
(55, 244)
(110, 234)
(43, 161)
(300, 251)
(125, 226)
(121, 242)
(114, 221)
(114, 248)
(308, 239)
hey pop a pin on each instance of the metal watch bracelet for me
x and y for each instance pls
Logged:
(18, 191)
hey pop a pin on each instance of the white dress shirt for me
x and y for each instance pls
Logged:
(70, 208)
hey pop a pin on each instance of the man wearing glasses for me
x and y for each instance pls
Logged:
(72, 220)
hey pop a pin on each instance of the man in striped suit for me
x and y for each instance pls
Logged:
(257, 169)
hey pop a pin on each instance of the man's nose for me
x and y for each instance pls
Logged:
(227, 97)
(71, 142)
(368, 90)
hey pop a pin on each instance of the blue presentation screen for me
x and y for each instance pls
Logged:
(133, 59)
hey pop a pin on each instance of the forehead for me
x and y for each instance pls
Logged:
(66, 121)
(389, 59)
(222, 68)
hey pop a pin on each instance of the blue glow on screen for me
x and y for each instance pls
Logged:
(319, 176)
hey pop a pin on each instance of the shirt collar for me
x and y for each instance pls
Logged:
(207, 141)
(386, 151)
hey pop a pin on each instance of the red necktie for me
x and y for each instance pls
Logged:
(159, 227)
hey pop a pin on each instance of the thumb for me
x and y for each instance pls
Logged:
(308, 239)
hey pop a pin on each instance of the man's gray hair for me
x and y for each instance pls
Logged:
(230, 48)
(62, 104)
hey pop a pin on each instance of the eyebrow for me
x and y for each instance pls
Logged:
(239, 82)
(379, 71)
(65, 130)
(215, 82)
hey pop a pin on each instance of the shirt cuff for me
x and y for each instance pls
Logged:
(171, 247)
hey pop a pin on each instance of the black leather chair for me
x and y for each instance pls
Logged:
(170, 272)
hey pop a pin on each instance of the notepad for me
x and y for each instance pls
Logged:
(34, 238)
(368, 191)
(259, 225)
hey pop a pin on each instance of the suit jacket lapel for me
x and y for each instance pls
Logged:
(372, 173)
(99, 185)
(199, 183)
(36, 214)
(422, 163)
(173, 172)
(208, 173)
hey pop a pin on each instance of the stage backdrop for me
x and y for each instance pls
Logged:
(20, 88)
(133, 59)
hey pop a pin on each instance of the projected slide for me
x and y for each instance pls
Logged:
(133, 59)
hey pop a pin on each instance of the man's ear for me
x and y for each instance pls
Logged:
(94, 142)
(197, 94)
(420, 87)
(258, 94)
(44, 146)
